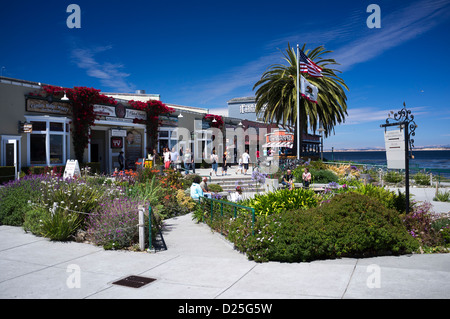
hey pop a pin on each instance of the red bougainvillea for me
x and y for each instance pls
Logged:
(218, 118)
(82, 100)
(154, 109)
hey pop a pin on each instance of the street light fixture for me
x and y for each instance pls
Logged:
(65, 98)
(321, 130)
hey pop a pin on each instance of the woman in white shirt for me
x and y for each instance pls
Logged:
(166, 155)
(306, 177)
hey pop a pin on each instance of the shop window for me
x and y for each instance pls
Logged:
(37, 149)
(39, 126)
(49, 142)
(56, 127)
(56, 149)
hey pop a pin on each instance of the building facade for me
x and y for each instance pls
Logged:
(244, 108)
(36, 131)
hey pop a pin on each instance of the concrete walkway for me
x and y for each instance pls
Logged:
(199, 264)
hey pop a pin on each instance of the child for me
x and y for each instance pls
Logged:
(240, 166)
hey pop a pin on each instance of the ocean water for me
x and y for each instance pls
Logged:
(437, 162)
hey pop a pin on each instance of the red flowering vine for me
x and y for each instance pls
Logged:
(82, 100)
(218, 118)
(154, 109)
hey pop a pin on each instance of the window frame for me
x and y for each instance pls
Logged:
(65, 133)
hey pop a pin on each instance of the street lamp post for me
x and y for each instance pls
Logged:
(321, 130)
(405, 120)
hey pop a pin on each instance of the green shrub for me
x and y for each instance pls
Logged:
(75, 195)
(389, 198)
(283, 199)
(215, 188)
(6, 174)
(350, 225)
(60, 225)
(33, 220)
(443, 196)
(320, 176)
(188, 180)
(422, 179)
(14, 198)
(148, 191)
(393, 177)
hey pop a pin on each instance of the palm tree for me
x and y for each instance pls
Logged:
(276, 96)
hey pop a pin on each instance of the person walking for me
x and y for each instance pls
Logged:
(121, 161)
(174, 158)
(187, 159)
(214, 161)
(245, 161)
(224, 163)
(240, 168)
(166, 155)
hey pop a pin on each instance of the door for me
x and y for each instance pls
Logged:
(98, 149)
(11, 153)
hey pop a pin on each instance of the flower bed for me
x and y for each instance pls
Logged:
(105, 209)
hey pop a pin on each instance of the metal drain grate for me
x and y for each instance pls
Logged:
(134, 281)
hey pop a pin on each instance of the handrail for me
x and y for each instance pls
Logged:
(236, 206)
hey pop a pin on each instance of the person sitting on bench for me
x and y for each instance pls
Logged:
(288, 179)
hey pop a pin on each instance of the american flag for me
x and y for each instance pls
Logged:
(308, 66)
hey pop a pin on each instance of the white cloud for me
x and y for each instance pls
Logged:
(396, 28)
(109, 74)
(373, 114)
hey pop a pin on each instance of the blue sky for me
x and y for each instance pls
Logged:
(203, 53)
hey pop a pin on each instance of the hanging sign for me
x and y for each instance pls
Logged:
(118, 132)
(395, 148)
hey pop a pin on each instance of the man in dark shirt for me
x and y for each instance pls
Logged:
(288, 179)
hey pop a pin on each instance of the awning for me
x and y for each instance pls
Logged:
(279, 144)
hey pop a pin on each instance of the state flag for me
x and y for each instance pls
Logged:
(308, 91)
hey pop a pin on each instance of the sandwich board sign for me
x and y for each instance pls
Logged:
(395, 148)
(72, 169)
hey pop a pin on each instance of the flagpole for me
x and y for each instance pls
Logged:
(298, 103)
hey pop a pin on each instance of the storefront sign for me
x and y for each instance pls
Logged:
(279, 139)
(119, 113)
(104, 110)
(43, 106)
(135, 114)
(118, 132)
